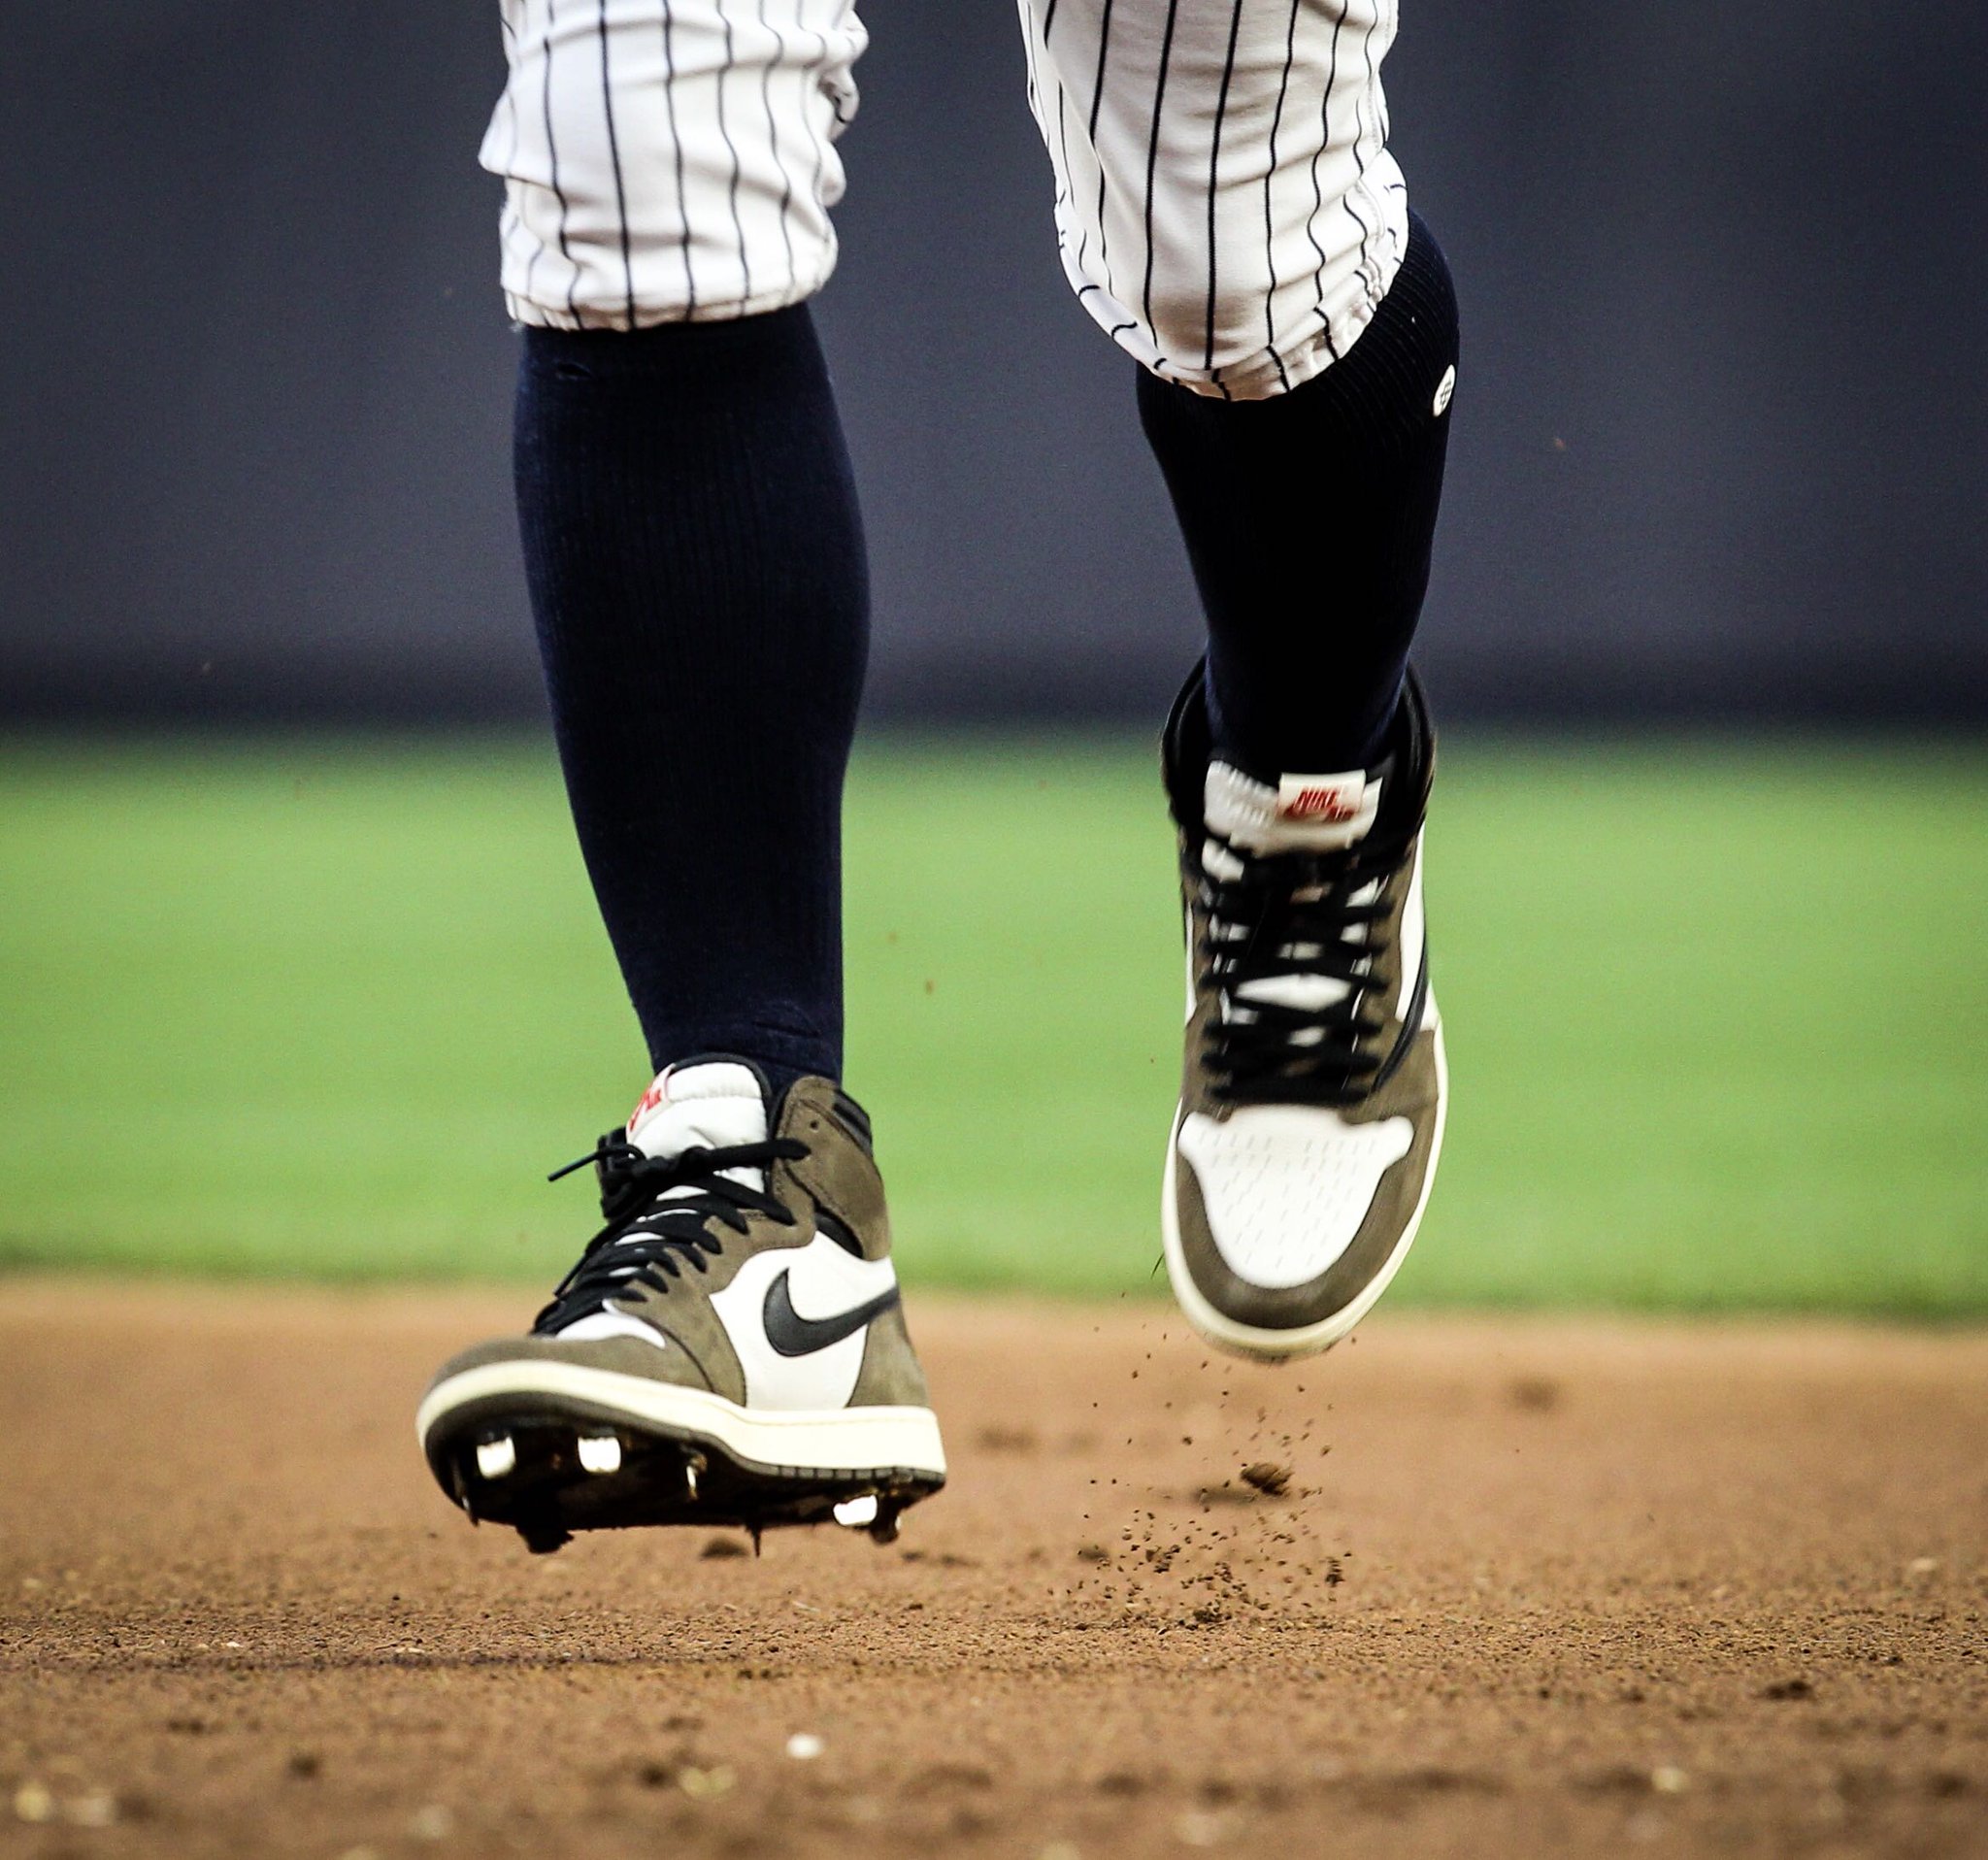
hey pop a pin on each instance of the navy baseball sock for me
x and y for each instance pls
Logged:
(1308, 520)
(696, 564)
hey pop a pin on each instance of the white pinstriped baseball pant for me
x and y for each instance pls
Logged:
(1226, 206)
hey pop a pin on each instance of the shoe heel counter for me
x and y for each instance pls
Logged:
(839, 1174)
(892, 1376)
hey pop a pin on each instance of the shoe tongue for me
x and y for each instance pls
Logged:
(1301, 814)
(711, 1103)
(706, 1103)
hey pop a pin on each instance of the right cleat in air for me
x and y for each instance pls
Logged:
(1313, 1093)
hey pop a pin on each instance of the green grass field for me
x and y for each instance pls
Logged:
(1718, 1017)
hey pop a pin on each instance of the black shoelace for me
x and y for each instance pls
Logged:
(649, 1240)
(1293, 913)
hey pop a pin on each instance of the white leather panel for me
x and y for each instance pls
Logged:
(825, 1280)
(611, 1322)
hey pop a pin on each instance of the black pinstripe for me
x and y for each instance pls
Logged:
(1083, 237)
(510, 100)
(1152, 162)
(1372, 279)
(815, 135)
(1317, 191)
(615, 158)
(1104, 52)
(1270, 174)
(510, 219)
(1091, 130)
(1033, 88)
(1384, 128)
(1347, 200)
(677, 143)
(835, 103)
(1066, 186)
(538, 245)
(1214, 164)
(773, 135)
(553, 157)
(732, 149)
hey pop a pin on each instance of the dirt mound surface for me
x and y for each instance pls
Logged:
(1478, 1587)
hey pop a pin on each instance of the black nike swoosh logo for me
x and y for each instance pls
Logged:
(792, 1334)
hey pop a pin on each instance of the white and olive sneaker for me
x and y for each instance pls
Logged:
(730, 1349)
(1311, 1098)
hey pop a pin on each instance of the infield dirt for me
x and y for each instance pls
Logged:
(1529, 1587)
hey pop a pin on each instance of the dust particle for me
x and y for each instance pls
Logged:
(718, 1547)
(707, 1785)
(940, 1778)
(1007, 1440)
(1225, 1493)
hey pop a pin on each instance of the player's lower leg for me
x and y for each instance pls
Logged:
(1298, 767)
(697, 573)
(729, 1347)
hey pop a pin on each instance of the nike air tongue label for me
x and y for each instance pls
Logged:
(714, 1104)
(1302, 814)
(1329, 800)
(792, 1334)
(653, 1099)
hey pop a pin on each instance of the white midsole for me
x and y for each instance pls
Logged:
(837, 1439)
(1307, 1340)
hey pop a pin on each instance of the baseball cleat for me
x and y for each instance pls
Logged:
(1312, 1092)
(730, 1349)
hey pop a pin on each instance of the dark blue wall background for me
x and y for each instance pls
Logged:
(1720, 448)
